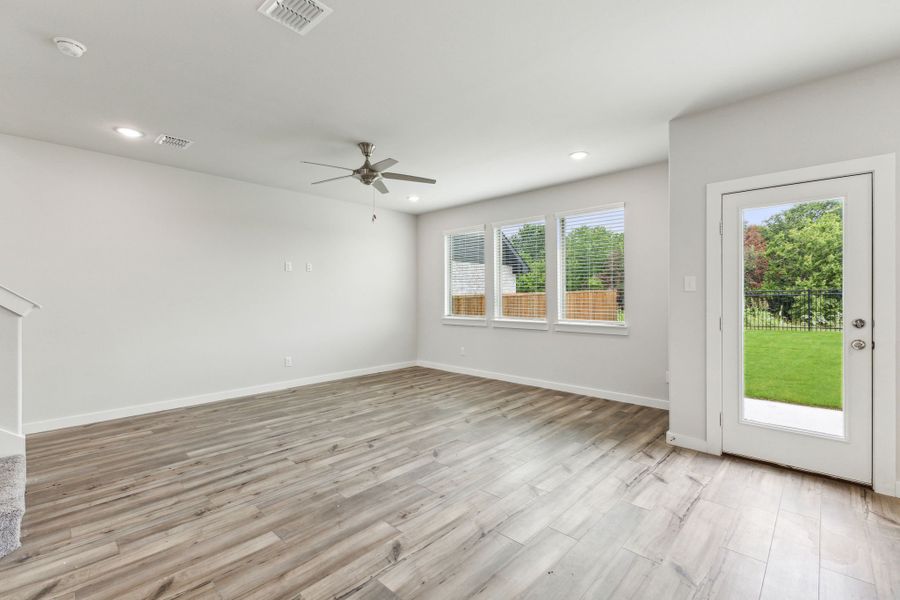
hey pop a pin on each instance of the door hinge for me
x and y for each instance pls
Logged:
(720, 419)
(720, 323)
(721, 228)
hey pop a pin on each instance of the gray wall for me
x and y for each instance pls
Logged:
(633, 364)
(159, 283)
(849, 116)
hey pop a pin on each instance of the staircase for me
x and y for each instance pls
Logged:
(13, 308)
(12, 501)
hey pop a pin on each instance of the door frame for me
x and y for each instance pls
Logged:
(884, 319)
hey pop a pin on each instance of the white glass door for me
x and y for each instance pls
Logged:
(796, 325)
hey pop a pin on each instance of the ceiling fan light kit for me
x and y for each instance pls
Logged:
(371, 174)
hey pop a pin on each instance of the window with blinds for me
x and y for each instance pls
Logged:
(520, 269)
(592, 265)
(465, 274)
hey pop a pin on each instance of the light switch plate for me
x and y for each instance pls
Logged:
(690, 283)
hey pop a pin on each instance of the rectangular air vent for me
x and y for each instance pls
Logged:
(174, 142)
(298, 15)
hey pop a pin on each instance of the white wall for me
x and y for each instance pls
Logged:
(849, 116)
(631, 365)
(159, 283)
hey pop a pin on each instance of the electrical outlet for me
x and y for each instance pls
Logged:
(462, 350)
(288, 266)
(288, 361)
(308, 267)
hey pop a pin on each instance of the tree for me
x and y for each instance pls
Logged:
(595, 259)
(804, 247)
(756, 263)
(529, 243)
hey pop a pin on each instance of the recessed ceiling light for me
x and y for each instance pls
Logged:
(129, 132)
(70, 47)
(580, 155)
(412, 198)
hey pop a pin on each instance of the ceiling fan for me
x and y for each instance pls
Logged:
(370, 174)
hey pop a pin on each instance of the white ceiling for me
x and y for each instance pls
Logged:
(487, 96)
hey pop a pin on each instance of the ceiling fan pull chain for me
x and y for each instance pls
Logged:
(374, 216)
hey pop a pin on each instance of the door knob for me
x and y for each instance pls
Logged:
(859, 323)
(858, 345)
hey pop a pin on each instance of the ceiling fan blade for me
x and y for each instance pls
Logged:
(324, 165)
(332, 179)
(387, 163)
(379, 185)
(408, 178)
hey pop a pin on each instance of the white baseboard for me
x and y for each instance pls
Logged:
(142, 409)
(11, 443)
(550, 385)
(686, 441)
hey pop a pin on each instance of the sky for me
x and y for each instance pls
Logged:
(757, 216)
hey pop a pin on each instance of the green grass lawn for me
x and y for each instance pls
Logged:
(798, 367)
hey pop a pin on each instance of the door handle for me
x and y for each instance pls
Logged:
(858, 345)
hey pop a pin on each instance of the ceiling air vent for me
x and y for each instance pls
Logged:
(298, 15)
(174, 142)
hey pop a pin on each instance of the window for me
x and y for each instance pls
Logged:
(592, 266)
(465, 273)
(520, 270)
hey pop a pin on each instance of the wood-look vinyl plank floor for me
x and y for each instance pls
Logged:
(424, 484)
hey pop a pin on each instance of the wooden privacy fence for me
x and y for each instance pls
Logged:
(588, 305)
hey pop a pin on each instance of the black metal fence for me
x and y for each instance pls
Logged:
(806, 310)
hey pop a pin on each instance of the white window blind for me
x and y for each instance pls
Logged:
(592, 265)
(465, 274)
(520, 269)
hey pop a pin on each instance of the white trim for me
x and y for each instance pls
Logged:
(601, 327)
(508, 323)
(686, 441)
(550, 385)
(466, 321)
(884, 396)
(142, 409)
(11, 443)
(16, 303)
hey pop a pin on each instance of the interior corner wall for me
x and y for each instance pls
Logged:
(616, 366)
(849, 116)
(159, 284)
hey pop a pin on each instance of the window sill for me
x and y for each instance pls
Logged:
(521, 324)
(587, 327)
(465, 321)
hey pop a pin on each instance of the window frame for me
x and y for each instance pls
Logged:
(447, 317)
(574, 325)
(497, 318)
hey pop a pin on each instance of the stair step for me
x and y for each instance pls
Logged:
(12, 502)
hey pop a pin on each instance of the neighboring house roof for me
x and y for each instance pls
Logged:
(467, 248)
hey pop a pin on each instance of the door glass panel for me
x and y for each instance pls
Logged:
(793, 316)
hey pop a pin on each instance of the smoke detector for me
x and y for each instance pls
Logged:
(173, 142)
(300, 16)
(70, 47)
